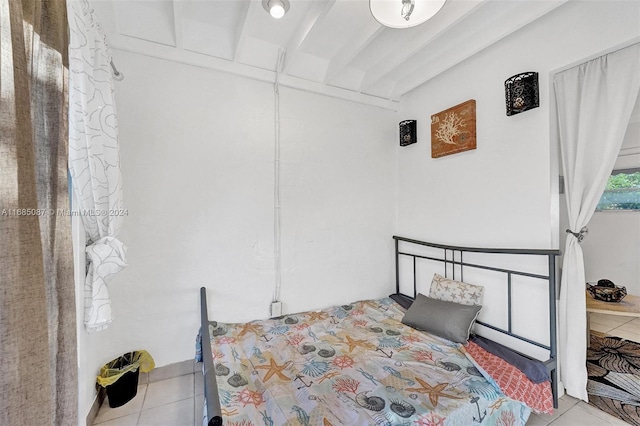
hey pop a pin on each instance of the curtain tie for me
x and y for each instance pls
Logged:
(579, 235)
(106, 258)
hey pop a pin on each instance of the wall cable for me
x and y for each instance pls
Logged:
(277, 265)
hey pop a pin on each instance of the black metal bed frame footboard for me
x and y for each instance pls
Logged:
(211, 398)
(551, 363)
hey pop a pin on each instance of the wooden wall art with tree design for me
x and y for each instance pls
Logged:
(454, 130)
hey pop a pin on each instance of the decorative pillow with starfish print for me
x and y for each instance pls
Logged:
(455, 291)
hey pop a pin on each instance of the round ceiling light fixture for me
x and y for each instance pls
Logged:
(276, 8)
(404, 13)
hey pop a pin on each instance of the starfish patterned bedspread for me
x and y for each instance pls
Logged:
(355, 364)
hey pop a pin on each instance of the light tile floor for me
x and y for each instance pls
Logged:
(178, 401)
(172, 402)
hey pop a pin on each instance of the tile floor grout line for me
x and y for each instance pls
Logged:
(146, 388)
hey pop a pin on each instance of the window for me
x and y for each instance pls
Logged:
(622, 191)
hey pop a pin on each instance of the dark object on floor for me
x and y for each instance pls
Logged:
(119, 376)
(613, 366)
(124, 389)
(607, 291)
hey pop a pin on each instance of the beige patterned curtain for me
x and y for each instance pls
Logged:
(38, 366)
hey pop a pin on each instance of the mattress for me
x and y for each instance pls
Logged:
(355, 364)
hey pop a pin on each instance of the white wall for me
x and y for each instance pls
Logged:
(504, 193)
(500, 193)
(197, 156)
(338, 182)
(197, 151)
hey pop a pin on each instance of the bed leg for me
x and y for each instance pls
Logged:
(214, 411)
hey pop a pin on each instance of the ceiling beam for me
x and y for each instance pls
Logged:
(160, 51)
(244, 23)
(352, 49)
(460, 45)
(317, 11)
(451, 14)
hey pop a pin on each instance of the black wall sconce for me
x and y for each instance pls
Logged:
(408, 133)
(521, 92)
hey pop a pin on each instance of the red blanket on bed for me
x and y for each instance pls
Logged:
(513, 382)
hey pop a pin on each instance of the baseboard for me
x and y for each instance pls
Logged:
(169, 371)
(95, 407)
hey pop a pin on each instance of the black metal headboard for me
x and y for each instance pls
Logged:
(454, 256)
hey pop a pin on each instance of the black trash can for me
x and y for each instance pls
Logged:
(124, 389)
(120, 376)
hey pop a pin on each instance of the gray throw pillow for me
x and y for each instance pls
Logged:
(450, 320)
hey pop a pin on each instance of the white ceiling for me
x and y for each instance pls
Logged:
(334, 47)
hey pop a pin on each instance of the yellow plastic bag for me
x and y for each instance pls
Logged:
(131, 361)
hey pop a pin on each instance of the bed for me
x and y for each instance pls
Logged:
(371, 362)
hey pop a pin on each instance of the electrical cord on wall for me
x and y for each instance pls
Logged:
(276, 181)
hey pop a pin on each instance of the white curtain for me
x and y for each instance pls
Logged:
(94, 158)
(595, 101)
